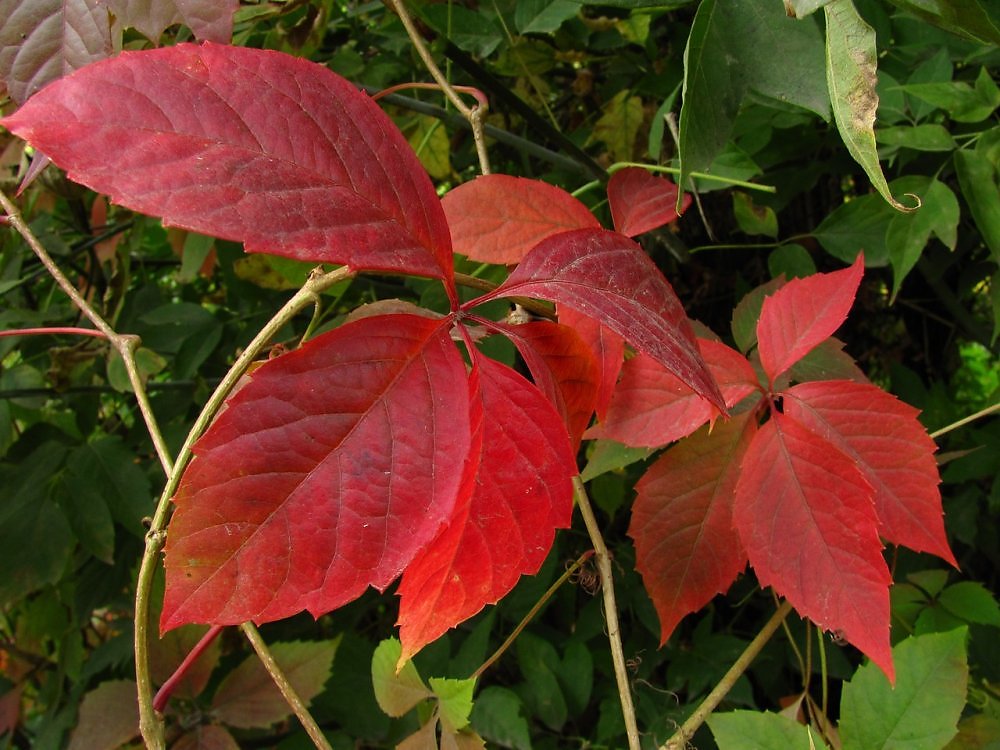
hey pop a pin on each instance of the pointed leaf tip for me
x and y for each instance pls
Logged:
(641, 201)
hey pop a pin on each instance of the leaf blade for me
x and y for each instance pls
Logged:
(641, 201)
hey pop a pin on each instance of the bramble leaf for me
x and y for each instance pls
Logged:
(652, 407)
(682, 524)
(520, 493)
(890, 447)
(248, 145)
(641, 201)
(802, 314)
(807, 521)
(497, 218)
(327, 473)
(607, 277)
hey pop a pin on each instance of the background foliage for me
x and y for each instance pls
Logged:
(574, 88)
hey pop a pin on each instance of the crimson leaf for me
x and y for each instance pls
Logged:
(803, 313)
(641, 201)
(520, 494)
(497, 218)
(888, 444)
(249, 145)
(805, 515)
(686, 547)
(652, 407)
(607, 277)
(607, 347)
(325, 474)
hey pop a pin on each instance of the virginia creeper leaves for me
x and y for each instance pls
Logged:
(641, 201)
(248, 145)
(326, 474)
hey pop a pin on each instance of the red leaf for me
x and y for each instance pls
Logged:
(497, 218)
(327, 473)
(42, 40)
(652, 407)
(888, 444)
(607, 277)
(249, 145)
(562, 367)
(521, 492)
(210, 20)
(807, 521)
(802, 314)
(641, 201)
(686, 547)
(607, 347)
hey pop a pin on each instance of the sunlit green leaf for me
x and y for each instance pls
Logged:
(752, 730)
(454, 701)
(926, 137)
(396, 690)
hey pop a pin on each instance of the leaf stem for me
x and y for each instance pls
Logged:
(732, 181)
(150, 725)
(495, 656)
(680, 738)
(285, 686)
(126, 344)
(966, 420)
(168, 687)
(475, 115)
(610, 612)
(55, 330)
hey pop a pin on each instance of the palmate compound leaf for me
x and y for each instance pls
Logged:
(805, 515)
(652, 407)
(249, 145)
(892, 450)
(641, 201)
(497, 218)
(607, 277)
(325, 474)
(520, 493)
(802, 314)
(687, 550)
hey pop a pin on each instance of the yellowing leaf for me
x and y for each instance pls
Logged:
(430, 140)
(398, 688)
(619, 125)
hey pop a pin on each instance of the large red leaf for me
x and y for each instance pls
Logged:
(802, 314)
(641, 201)
(249, 145)
(325, 474)
(607, 277)
(607, 347)
(682, 522)
(497, 218)
(807, 521)
(652, 407)
(42, 40)
(891, 448)
(521, 493)
(563, 368)
(211, 20)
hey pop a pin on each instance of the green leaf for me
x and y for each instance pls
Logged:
(971, 602)
(972, 19)
(147, 362)
(497, 716)
(607, 455)
(859, 224)
(195, 250)
(962, 102)
(753, 219)
(397, 691)
(922, 711)
(468, 30)
(619, 125)
(454, 701)
(109, 717)
(87, 513)
(247, 697)
(803, 8)
(104, 471)
(747, 312)
(539, 663)
(926, 137)
(35, 538)
(851, 78)
(543, 16)
(980, 183)
(430, 141)
(792, 261)
(731, 50)
(576, 676)
(751, 730)
(908, 234)
(979, 732)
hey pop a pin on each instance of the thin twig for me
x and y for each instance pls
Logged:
(966, 420)
(531, 614)
(150, 725)
(475, 115)
(712, 701)
(610, 612)
(126, 344)
(287, 691)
